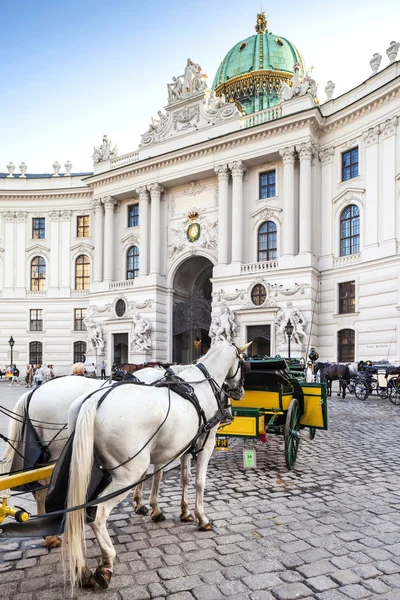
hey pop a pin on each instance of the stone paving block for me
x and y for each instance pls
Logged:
(181, 596)
(262, 581)
(146, 577)
(135, 593)
(392, 580)
(376, 586)
(207, 592)
(320, 583)
(171, 572)
(182, 584)
(291, 591)
(321, 567)
(213, 577)
(156, 590)
(290, 576)
(332, 595)
(345, 577)
(342, 562)
(366, 571)
(201, 566)
(355, 591)
(387, 567)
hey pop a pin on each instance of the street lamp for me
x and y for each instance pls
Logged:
(289, 331)
(11, 343)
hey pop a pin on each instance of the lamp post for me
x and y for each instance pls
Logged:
(11, 343)
(289, 330)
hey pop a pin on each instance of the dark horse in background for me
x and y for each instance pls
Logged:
(334, 371)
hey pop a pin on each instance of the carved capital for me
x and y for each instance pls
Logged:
(9, 216)
(326, 155)
(288, 155)
(66, 215)
(222, 172)
(21, 216)
(143, 192)
(388, 128)
(97, 204)
(109, 202)
(155, 190)
(305, 151)
(237, 168)
(371, 136)
(55, 215)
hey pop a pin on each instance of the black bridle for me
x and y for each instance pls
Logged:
(236, 391)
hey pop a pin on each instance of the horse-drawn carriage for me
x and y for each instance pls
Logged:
(276, 402)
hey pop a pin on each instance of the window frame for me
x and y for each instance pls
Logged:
(268, 185)
(342, 300)
(83, 229)
(259, 295)
(38, 353)
(38, 321)
(82, 281)
(77, 320)
(133, 272)
(351, 164)
(40, 228)
(134, 209)
(38, 277)
(355, 238)
(268, 250)
(79, 356)
(346, 358)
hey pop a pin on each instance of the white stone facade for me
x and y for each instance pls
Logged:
(200, 164)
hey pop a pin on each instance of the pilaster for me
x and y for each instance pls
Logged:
(288, 234)
(9, 255)
(237, 169)
(21, 218)
(54, 218)
(144, 230)
(97, 205)
(326, 157)
(387, 197)
(305, 151)
(65, 248)
(371, 139)
(155, 225)
(223, 179)
(109, 205)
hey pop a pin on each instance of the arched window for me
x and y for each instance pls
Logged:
(132, 263)
(38, 274)
(267, 241)
(346, 345)
(79, 352)
(35, 353)
(82, 272)
(350, 230)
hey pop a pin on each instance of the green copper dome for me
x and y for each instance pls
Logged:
(252, 71)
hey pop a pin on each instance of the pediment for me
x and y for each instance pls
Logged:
(82, 248)
(131, 238)
(38, 248)
(349, 194)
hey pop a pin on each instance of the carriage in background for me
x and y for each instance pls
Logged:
(382, 377)
(277, 402)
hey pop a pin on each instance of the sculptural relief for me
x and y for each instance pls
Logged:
(140, 333)
(94, 337)
(301, 86)
(292, 314)
(224, 326)
(105, 151)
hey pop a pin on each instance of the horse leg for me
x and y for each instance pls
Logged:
(50, 541)
(156, 514)
(185, 516)
(139, 506)
(201, 472)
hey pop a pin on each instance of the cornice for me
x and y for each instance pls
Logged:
(45, 194)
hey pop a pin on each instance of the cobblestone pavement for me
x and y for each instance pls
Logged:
(329, 530)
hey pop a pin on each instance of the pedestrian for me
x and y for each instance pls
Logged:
(78, 369)
(39, 375)
(103, 370)
(15, 376)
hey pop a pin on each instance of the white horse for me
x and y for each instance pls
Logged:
(152, 425)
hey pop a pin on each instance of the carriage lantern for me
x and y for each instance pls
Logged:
(11, 343)
(289, 331)
(313, 356)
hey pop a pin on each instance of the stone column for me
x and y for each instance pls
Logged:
(65, 262)
(98, 239)
(289, 211)
(155, 227)
(144, 230)
(223, 178)
(371, 139)
(109, 204)
(326, 158)
(54, 217)
(305, 151)
(237, 169)
(9, 219)
(387, 199)
(21, 243)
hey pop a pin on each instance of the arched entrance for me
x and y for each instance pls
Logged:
(192, 309)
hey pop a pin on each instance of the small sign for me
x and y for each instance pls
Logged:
(249, 459)
(222, 444)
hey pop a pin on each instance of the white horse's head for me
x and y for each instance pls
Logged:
(234, 381)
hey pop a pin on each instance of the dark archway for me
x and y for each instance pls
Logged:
(192, 309)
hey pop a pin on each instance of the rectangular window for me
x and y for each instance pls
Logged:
(83, 227)
(268, 184)
(350, 164)
(79, 315)
(347, 297)
(133, 215)
(36, 319)
(38, 228)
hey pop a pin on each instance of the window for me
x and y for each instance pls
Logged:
(120, 308)
(82, 229)
(79, 315)
(39, 228)
(267, 184)
(36, 319)
(133, 215)
(132, 270)
(79, 352)
(35, 353)
(347, 297)
(82, 273)
(350, 231)
(38, 274)
(258, 294)
(267, 241)
(346, 345)
(350, 164)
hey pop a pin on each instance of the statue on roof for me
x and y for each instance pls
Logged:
(262, 23)
(300, 87)
(105, 151)
(193, 81)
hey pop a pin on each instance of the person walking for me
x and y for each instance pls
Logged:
(103, 370)
(39, 375)
(15, 376)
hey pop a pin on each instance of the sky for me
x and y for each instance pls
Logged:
(74, 71)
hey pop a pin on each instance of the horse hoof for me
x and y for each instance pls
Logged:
(102, 577)
(87, 580)
(206, 527)
(52, 542)
(187, 518)
(158, 518)
(142, 510)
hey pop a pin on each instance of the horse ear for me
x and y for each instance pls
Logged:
(244, 348)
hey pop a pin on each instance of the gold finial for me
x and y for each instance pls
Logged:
(261, 25)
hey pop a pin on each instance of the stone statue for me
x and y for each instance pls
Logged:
(300, 87)
(105, 152)
(175, 89)
(223, 327)
(94, 339)
(292, 314)
(188, 77)
(200, 79)
(140, 334)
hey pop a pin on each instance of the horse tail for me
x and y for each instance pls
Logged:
(15, 429)
(80, 472)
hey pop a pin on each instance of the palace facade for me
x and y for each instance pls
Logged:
(246, 205)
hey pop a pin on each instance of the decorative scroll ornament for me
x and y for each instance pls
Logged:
(218, 108)
(155, 130)
(141, 305)
(195, 189)
(185, 117)
(301, 86)
(292, 314)
(268, 303)
(223, 327)
(105, 151)
(200, 232)
(140, 333)
(222, 295)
